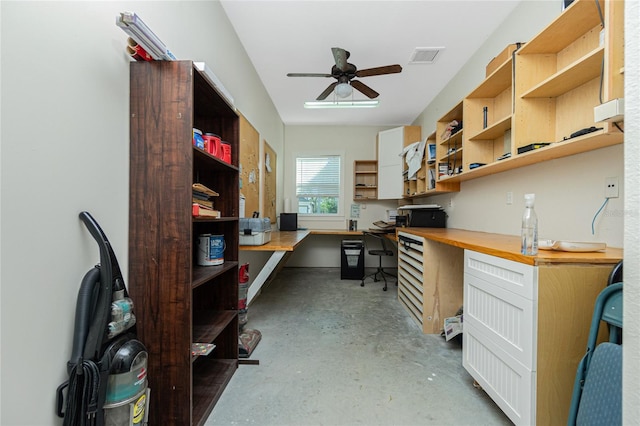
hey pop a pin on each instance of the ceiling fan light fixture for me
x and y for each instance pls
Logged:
(343, 90)
(342, 104)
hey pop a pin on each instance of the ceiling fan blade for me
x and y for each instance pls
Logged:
(389, 69)
(366, 90)
(307, 74)
(340, 56)
(326, 92)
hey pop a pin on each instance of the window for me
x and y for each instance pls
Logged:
(318, 184)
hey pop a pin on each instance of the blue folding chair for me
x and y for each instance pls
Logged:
(597, 390)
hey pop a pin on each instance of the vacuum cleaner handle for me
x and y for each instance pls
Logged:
(110, 279)
(108, 258)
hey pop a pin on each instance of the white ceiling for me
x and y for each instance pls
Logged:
(281, 37)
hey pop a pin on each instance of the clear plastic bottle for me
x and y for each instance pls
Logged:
(529, 227)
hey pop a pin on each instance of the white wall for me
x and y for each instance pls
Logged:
(65, 148)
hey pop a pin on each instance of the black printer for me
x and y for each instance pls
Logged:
(426, 216)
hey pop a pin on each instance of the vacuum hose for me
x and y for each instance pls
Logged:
(84, 375)
(84, 309)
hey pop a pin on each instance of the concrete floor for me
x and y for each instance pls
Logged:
(335, 353)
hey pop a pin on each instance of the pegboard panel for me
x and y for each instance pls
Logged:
(249, 169)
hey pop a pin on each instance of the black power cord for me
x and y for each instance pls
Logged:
(82, 396)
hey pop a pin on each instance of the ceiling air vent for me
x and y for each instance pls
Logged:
(425, 55)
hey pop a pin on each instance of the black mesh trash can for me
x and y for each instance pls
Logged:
(352, 260)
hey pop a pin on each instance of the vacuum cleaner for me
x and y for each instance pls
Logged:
(107, 370)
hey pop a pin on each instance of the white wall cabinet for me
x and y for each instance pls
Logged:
(390, 145)
(525, 329)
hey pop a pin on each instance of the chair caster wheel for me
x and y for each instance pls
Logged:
(384, 289)
(361, 284)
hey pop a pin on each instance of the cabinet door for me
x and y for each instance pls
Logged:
(390, 144)
(499, 331)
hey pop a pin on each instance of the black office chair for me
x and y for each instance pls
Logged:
(383, 251)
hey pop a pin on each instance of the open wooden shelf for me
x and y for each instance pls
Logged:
(178, 302)
(365, 180)
(542, 93)
(574, 75)
(494, 131)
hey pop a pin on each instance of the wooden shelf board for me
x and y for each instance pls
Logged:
(455, 139)
(214, 219)
(451, 155)
(202, 274)
(573, 146)
(214, 162)
(576, 74)
(446, 188)
(210, 377)
(495, 83)
(366, 172)
(575, 21)
(494, 131)
(454, 114)
(207, 325)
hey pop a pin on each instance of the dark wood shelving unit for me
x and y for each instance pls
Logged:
(177, 301)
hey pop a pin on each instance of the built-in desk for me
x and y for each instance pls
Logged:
(508, 247)
(282, 244)
(526, 318)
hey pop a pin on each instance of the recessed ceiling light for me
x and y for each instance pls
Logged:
(425, 55)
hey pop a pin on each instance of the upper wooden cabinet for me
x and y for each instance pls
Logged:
(390, 162)
(542, 94)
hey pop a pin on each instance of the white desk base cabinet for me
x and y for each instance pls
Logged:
(525, 329)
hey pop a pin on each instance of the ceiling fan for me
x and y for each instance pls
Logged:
(344, 73)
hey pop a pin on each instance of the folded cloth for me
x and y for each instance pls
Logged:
(413, 154)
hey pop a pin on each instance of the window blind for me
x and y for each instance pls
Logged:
(318, 176)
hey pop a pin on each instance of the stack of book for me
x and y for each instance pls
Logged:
(443, 169)
(202, 202)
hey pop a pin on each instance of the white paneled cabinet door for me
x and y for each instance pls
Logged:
(499, 345)
(390, 145)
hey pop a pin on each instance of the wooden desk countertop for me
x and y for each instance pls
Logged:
(280, 241)
(508, 247)
(289, 240)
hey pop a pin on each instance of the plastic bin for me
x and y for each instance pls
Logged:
(352, 260)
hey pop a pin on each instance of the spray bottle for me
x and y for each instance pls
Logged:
(529, 227)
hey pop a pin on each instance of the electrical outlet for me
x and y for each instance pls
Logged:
(611, 187)
(450, 202)
(509, 198)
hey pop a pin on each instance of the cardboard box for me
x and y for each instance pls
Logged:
(502, 57)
